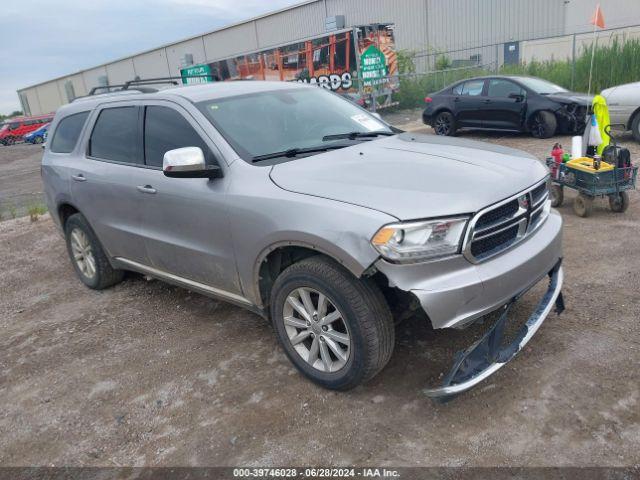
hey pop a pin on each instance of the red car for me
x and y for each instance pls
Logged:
(13, 130)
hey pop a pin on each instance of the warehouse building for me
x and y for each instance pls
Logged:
(484, 32)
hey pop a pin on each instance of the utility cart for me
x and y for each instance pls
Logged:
(610, 179)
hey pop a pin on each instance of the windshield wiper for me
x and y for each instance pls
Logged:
(354, 135)
(294, 152)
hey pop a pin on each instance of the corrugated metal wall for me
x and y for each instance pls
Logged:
(424, 26)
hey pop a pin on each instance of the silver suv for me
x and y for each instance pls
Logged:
(292, 202)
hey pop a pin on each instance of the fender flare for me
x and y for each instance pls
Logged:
(343, 258)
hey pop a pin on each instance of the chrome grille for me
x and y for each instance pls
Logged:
(498, 227)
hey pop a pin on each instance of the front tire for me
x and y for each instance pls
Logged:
(544, 125)
(37, 140)
(583, 205)
(87, 255)
(336, 329)
(445, 124)
(635, 128)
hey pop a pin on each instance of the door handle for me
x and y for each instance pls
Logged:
(487, 101)
(146, 189)
(79, 178)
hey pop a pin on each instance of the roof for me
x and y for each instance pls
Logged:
(192, 93)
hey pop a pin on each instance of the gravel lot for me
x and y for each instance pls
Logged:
(149, 374)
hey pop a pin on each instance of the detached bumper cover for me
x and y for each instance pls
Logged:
(486, 356)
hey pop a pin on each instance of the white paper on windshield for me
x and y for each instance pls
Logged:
(367, 122)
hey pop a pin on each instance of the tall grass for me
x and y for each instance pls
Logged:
(613, 64)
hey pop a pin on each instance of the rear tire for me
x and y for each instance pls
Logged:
(619, 202)
(635, 128)
(583, 205)
(556, 193)
(445, 124)
(544, 125)
(87, 255)
(363, 325)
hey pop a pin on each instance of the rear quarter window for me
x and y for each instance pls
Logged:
(67, 133)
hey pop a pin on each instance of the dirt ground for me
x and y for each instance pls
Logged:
(20, 184)
(149, 374)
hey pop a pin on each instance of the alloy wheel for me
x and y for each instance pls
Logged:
(443, 125)
(83, 253)
(316, 329)
(538, 127)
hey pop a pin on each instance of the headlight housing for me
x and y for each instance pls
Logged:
(417, 241)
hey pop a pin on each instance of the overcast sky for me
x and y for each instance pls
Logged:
(43, 39)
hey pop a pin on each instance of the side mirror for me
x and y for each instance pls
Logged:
(518, 97)
(188, 162)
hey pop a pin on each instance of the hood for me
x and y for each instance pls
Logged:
(412, 176)
(571, 97)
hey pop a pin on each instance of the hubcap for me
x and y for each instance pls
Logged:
(316, 329)
(82, 253)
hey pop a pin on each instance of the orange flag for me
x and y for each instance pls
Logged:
(598, 18)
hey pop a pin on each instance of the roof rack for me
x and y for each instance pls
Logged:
(138, 82)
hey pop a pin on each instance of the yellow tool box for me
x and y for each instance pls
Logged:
(585, 164)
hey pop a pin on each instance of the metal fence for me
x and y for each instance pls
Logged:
(568, 48)
(561, 59)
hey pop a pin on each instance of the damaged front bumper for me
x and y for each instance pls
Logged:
(487, 355)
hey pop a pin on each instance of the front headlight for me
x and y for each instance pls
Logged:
(416, 241)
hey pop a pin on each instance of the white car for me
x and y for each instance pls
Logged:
(624, 106)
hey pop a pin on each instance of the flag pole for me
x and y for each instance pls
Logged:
(593, 54)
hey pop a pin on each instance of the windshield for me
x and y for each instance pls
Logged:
(267, 122)
(540, 86)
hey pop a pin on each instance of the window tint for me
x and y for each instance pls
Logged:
(457, 90)
(66, 135)
(165, 129)
(503, 88)
(473, 88)
(115, 135)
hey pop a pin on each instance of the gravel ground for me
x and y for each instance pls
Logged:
(20, 185)
(149, 374)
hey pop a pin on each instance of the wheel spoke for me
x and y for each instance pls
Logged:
(343, 338)
(295, 322)
(91, 265)
(306, 300)
(300, 337)
(322, 305)
(324, 355)
(295, 303)
(313, 351)
(336, 349)
(332, 317)
(76, 239)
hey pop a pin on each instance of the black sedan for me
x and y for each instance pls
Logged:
(523, 104)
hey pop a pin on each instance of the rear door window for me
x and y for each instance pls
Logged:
(115, 136)
(67, 133)
(473, 88)
(501, 88)
(166, 129)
